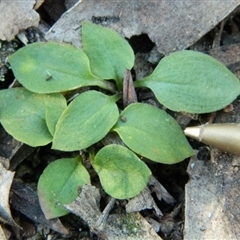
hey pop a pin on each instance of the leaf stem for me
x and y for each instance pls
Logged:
(119, 84)
(138, 83)
(115, 97)
(91, 151)
(107, 85)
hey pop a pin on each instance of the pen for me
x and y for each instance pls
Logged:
(224, 136)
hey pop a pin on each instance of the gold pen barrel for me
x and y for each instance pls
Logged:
(224, 136)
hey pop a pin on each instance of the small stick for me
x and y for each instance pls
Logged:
(102, 219)
(49, 76)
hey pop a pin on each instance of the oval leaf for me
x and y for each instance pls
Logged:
(122, 174)
(153, 134)
(60, 184)
(192, 82)
(22, 114)
(53, 114)
(109, 54)
(88, 118)
(52, 67)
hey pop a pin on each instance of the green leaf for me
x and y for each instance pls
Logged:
(192, 82)
(153, 134)
(47, 67)
(53, 114)
(87, 119)
(22, 114)
(60, 184)
(122, 174)
(108, 52)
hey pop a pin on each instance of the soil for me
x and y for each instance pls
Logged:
(28, 163)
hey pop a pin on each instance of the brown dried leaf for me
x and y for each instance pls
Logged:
(161, 192)
(23, 196)
(129, 93)
(143, 200)
(4, 234)
(38, 4)
(12, 152)
(8, 145)
(86, 205)
(172, 25)
(129, 227)
(212, 209)
(16, 16)
(6, 178)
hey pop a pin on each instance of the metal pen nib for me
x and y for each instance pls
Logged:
(224, 136)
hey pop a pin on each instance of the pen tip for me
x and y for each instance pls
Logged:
(193, 132)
